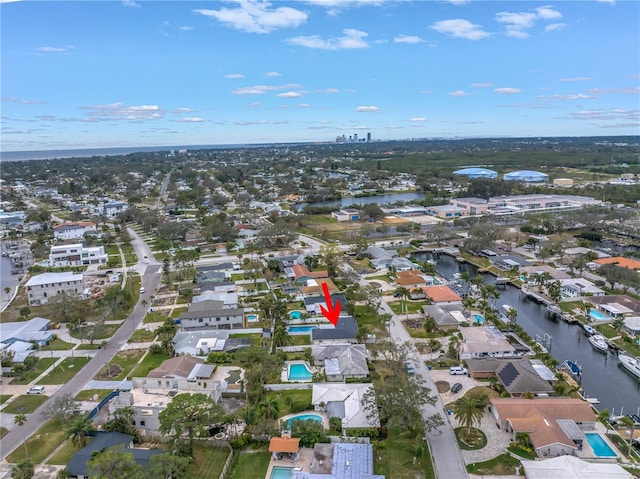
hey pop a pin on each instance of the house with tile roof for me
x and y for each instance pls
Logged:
(556, 426)
(621, 261)
(441, 294)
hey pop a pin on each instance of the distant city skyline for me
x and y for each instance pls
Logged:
(151, 73)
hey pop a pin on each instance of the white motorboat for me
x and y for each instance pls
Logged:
(588, 329)
(631, 364)
(599, 343)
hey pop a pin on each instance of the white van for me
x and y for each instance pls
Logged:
(457, 370)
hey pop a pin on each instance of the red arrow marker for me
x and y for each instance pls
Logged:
(330, 312)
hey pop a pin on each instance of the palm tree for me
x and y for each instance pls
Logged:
(79, 429)
(628, 422)
(468, 303)
(512, 314)
(20, 419)
(465, 277)
(403, 293)
(281, 336)
(468, 411)
(269, 408)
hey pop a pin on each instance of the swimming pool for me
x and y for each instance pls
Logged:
(478, 319)
(299, 372)
(599, 446)
(598, 316)
(252, 318)
(300, 329)
(303, 417)
(295, 314)
(279, 472)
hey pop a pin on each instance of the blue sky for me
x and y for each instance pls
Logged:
(143, 73)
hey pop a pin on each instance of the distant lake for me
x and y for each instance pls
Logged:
(365, 200)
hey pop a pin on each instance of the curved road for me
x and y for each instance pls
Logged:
(150, 275)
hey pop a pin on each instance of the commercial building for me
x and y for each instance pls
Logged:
(477, 173)
(526, 176)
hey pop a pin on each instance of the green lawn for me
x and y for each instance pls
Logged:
(396, 459)
(502, 465)
(208, 462)
(27, 403)
(3, 431)
(155, 317)
(87, 346)
(87, 394)
(63, 455)
(412, 307)
(367, 319)
(64, 371)
(29, 376)
(251, 465)
(150, 361)
(58, 344)
(41, 443)
(142, 336)
(4, 398)
(120, 366)
(300, 400)
(300, 340)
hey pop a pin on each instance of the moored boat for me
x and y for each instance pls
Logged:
(599, 343)
(631, 364)
(573, 368)
(588, 329)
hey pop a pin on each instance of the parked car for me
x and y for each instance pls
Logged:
(457, 370)
(36, 390)
(141, 290)
(409, 366)
(456, 387)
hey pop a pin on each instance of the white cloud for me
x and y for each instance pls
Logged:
(573, 96)
(457, 3)
(304, 105)
(367, 108)
(290, 94)
(191, 119)
(611, 2)
(13, 99)
(602, 114)
(507, 91)
(234, 75)
(517, 23)
(407, 39)
(417, 119)
(56, 49)
(118, 111)
(552, 27)
(248, 123)
(262, 89)
(622, 91)
(256, 17)
(351, 39)
(130, 3)
(273, 74)
(328, 90)
(460, 28)
(574, 79)
(334, 7)
(255, 104)
(482, 85)
(458, 93)
(185, 28)
(185, 109)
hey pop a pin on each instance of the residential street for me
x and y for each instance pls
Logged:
(150, 275)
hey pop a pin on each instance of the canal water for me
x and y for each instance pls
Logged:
(365, 200)
(602, 377)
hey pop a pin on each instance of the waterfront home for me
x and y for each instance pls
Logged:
(441, 294)
(575, 287)
(21, 338)
(483, 342)
(446, 316)
(556, 426)
(616, 305)
(621, 261)
(347, 214)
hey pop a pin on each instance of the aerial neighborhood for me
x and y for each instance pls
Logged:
(351, 310)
